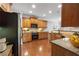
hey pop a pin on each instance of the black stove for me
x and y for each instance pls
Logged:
(34, 35)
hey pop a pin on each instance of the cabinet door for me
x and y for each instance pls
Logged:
(24, 23)
(70, 15)
(27, 37)
(43, 35)
(42, 24)
(28, 23)
(34, 21)
(39, 24)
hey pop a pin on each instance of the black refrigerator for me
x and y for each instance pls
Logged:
(9, 29)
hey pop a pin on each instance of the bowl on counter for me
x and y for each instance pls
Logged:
(74, 39)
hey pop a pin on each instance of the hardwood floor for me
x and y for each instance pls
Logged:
(36, 48)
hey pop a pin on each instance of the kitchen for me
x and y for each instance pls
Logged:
(45, 32)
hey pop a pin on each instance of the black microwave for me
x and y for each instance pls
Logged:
(34, 26)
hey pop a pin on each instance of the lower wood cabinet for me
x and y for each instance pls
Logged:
(59, 51)
(43, 35)
(27, 37)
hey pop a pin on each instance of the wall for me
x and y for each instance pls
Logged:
(53, 24)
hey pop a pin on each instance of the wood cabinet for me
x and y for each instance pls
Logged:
(42, 24)
(70, 15)
(26, 23)
(6, 7)
(43, 35)
(59, 51)
(34, 21)
(27, 37)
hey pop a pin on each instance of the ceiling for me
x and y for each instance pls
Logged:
(39, 11)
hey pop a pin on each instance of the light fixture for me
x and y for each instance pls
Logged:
(50, 12)
(33, 6)
(59, 6)
(30, 11)
(44, 15)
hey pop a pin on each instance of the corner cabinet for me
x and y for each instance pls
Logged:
(70, 15)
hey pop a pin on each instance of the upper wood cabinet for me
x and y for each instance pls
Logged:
(70, 15)
(6, 7)
(26, 23)
(34, 21)
(42, 24)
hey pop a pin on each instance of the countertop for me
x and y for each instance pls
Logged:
(66, 30)
(65, 43)
(7, 51)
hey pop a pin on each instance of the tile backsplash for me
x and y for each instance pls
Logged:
(70, 28)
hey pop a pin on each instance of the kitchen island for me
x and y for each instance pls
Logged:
(7, 52)
(63, 47)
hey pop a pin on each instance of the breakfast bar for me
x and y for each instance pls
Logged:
(63, 47)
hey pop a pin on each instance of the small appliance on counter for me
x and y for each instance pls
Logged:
(2, 44)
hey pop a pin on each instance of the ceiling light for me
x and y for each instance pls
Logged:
(33, 6)
(44, 15)
(59, 6)
(30, 11)
(50, 12)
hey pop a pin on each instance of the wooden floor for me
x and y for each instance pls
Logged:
(36, 48)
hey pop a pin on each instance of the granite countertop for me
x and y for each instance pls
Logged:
(7, 51)
(65, 43)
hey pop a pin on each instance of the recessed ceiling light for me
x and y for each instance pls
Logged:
(33, 6)
(50, 11)
(59, 6)
(30, 11)
(44, 15)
